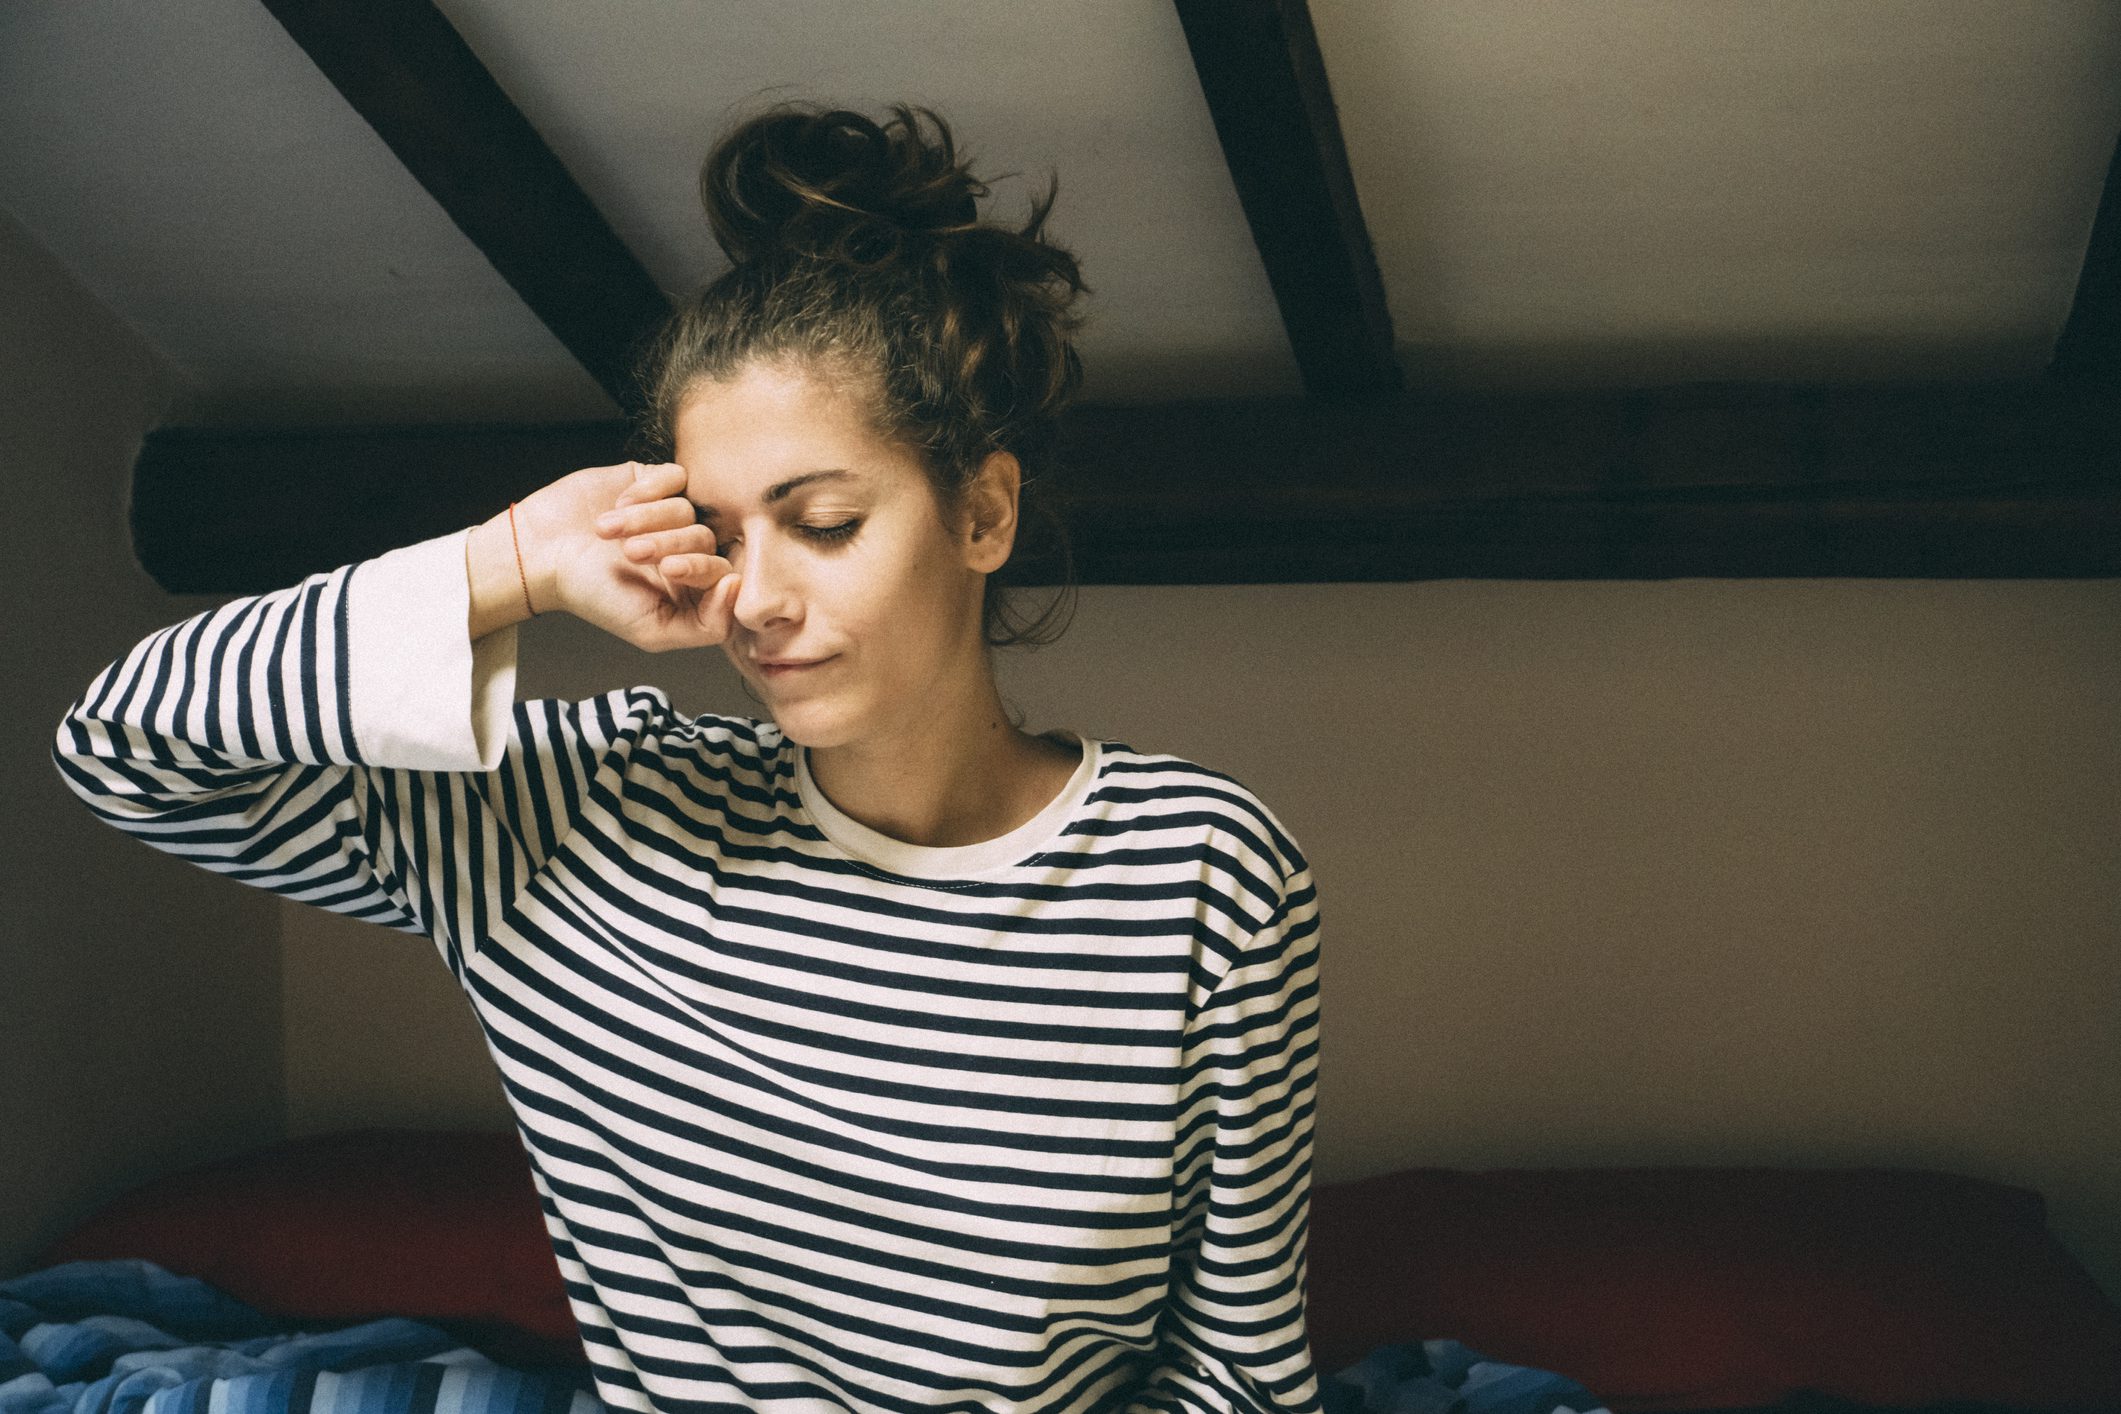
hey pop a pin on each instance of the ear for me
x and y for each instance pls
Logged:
(990, 512)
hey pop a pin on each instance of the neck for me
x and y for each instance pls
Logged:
(944, 785)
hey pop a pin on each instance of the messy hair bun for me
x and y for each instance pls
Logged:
(786, 185)
(856, 250)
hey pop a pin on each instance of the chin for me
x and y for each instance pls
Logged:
(808, 724)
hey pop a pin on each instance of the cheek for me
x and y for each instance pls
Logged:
(905, 571)
(889, 588)
(870, 594)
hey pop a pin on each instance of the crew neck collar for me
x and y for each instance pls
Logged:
(951, 861)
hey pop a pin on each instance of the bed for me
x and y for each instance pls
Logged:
(423, 1255)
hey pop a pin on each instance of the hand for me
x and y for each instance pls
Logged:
(671, 592)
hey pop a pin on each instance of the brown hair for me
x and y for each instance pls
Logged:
(857, 253)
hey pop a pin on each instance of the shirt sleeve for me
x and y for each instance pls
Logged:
(344, 743)
(1233, 1337)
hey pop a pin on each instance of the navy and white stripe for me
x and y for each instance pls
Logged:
(810, 1134)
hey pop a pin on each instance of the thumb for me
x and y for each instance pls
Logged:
(718, 607)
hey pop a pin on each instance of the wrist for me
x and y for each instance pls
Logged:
(497, 571)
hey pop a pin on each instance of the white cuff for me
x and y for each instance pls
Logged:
(423, 695)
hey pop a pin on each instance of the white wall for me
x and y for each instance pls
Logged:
(141, 994)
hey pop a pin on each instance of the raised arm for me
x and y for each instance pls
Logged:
(1233, 1338)
(353, 741)
(346, 743)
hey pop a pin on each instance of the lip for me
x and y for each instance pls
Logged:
(774, 670)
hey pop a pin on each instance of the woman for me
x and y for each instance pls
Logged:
(880, 1056)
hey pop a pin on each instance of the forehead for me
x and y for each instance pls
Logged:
(770, 433)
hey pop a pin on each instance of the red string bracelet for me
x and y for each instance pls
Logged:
(519, 559)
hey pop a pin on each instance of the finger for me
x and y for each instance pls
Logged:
(662, 581)
(694, 569)
(709, 612)
(658, 518)
(644, 544)
(721, 616)
(645, 483)
(648, 512)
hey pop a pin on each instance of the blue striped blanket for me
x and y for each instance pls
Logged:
(128, 1337)
(1444, 1377)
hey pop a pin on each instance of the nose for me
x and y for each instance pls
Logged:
(765, 591)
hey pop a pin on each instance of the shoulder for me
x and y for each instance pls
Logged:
(1216, 799)
(642, 719)
(724, 736)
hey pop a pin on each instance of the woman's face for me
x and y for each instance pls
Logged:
(844, 559)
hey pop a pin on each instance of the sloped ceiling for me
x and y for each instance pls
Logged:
(1558, 288)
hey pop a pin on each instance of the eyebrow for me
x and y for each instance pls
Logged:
(781, 490)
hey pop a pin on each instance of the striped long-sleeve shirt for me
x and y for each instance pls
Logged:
(820, 1120)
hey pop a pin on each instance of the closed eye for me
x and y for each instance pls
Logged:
(820, 534)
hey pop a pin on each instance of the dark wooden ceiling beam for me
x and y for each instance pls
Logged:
(2089, 349)
(406, 70)
(1265, 84)
(2019, 480)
